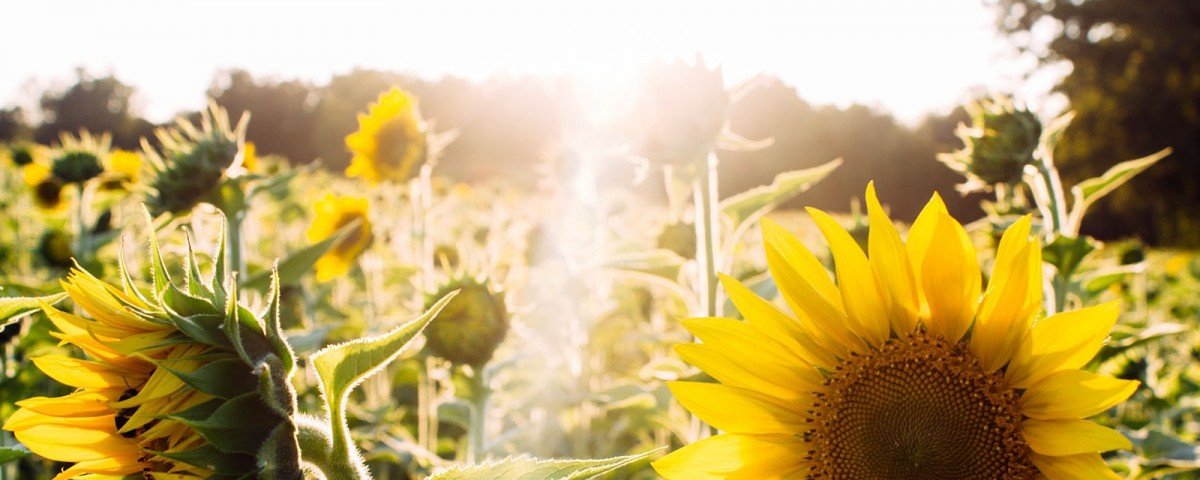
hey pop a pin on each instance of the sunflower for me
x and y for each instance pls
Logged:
(334, 213)
(390, 143)
(905, 368)
(47, 190)
(165, 391)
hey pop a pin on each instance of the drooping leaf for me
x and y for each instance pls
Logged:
(13, 308)
(1089, 191)
(13, 453)
(742, 209)
(300, 262)
(524, 468)
(1066, 253)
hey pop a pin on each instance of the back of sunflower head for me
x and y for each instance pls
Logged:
(195, 383)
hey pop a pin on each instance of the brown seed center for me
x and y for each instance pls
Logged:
(918, 408)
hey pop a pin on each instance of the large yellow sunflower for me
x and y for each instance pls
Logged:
(390, 141)
(333, 213)
(903, 368)
(171, 385)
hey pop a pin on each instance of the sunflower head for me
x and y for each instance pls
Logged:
(55, 249)
(177, 381)
(905, 367)
(471, 326)
(122, 168)
(684, 107)
(390, 143)
(334, 214)
(78, 158)
(1001, 140)
(193, 160)
(678, 237)
(22, 154)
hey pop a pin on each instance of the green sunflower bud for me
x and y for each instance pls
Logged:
(471, 326)
(55, 249)
(684, 109)
(21, 155)
(76, 167)
(680, 238)
(1000, 142)
(193, 161)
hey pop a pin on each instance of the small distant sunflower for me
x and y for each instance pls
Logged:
(47, 190)
(334, 212)
(80, 158)
(390, 143)
(125, 166)
(901, 369)
(22, 154)
(165, 392)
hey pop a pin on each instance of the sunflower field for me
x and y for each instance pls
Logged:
(195, 309)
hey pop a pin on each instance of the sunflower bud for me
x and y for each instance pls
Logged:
(680, 238)
(179, 382)
(55, 249)
(21, 154)
(193, 161)
(685, 108)
(76, 167)
(999, 143)
(471, 325)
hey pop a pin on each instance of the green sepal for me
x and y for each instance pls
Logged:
(279, 456)
(275, 387)
(206, 329)
(239, 425)
(187, 305)
(221, 463)
(196, 285)
(158, 268)
(15, 308)
(224, 378)
(275, 335)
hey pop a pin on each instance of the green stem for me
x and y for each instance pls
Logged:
(235, 243)
(421, 199)
(476, 446)
(82, 235)
(1058, 198)
(707, 232)
(323, 451)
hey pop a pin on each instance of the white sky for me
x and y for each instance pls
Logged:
(908, 57)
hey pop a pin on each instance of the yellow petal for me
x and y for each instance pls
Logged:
(807, 302)
(736, 410)
(81, 373)
(801, 259)
(740, 374)
(1003, 316)
(889, 259)
(950, 279)
(1085, 466)
(79, 404)
(724, 456)
(861, 293)
(779, 326)
(1069, 394)
(1071, 437)
(122, 465)
(917, 243)
(737, 340)
(1061, 342)
(72, 444)
(24, 419)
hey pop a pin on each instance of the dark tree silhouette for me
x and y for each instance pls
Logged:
(98, 104)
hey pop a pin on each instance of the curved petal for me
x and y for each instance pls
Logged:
(737, 340)
(726, 455)
(1074, 394)
(1061, 342)
(739, 373)
(917, 243)
(82, 373)
(736, 410)
(1071, 437)
(889, 259)
(773, 322)
(951, 279)
(73, 444)
(1002, 319)
(1085, 466)
(865, 303)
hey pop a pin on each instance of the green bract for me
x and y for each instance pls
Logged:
(1000, 142)
(193, 161)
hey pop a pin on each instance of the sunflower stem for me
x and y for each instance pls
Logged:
(477, 443)
(707, 231)
(82, 241)
(319, 449)
(421, 198)
(235, 243)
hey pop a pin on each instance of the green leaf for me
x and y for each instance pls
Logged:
(1088, 191)
(525, 468)
(660, 262)
(1066, 253)
(13, 309)
(13, 453)
(293, 268)
(224, 378)
(746, 207)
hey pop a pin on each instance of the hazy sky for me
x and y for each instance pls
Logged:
(908, 57)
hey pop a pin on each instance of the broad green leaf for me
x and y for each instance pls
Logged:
(14, 308)
(525, 468)
(13, 453)
(1066, 253)
(746, 207)
(1102, 279)
(1088, 191)
(300, 262)
(341, 367)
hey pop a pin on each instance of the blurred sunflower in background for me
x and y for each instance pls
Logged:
(333, 213)
(390, 143)
(122, 168)
(47, 190)
(903, 368)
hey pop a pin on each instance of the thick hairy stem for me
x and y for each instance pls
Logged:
(330, 455)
